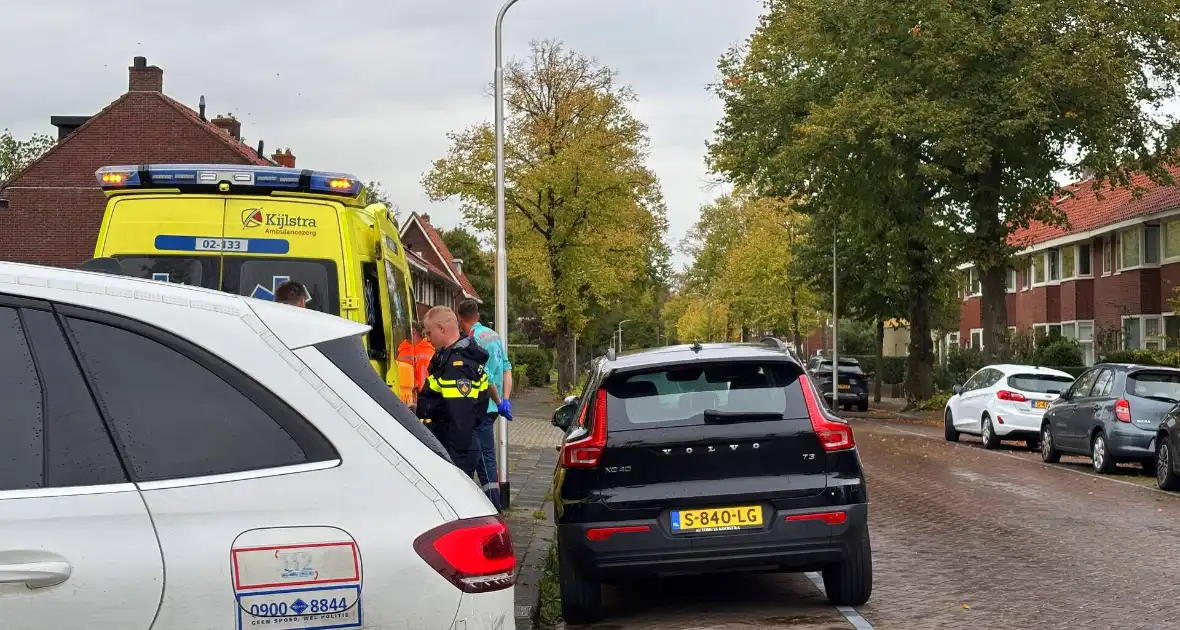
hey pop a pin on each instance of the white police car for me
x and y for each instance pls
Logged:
(179, 458)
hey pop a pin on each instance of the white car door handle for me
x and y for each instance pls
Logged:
(36, 574)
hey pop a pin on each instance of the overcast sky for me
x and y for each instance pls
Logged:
(371, 87)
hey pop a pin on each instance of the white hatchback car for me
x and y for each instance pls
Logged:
(1004, 402)
(246, 450)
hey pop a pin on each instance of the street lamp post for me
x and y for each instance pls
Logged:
(835, 359)
(501, 252)
(621, 334)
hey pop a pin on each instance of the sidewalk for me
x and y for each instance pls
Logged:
(532, 457)
(891, 409)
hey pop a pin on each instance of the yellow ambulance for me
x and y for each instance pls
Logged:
(247, 229)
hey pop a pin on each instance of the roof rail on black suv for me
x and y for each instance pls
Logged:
(710, 458)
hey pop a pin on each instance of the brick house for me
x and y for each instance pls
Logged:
(438, 276)
(1106, 278)
(52, 209)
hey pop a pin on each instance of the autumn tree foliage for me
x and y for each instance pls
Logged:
(585, 215)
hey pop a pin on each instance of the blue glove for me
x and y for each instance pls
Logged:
(505, 409)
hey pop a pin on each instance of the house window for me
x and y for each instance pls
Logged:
(1153, 337)
(1054, 258)
(1054, 331)
(1086, 341)
(1069, 261)
(952, 340)
(1010, 280)
(1038, 269)
(976, 287)
(1172, 330)
(1069, 331)
(1172, 239)
(1025, 274)
(1129, 246)
(1107, 255)
(1131, 333)
(977, 338)
(1085, 260)
(1151, 244)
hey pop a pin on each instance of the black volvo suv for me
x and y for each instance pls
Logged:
(702, 459)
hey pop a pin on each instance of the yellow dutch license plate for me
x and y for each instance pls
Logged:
(717, 519)
(845, 387)
(1040, 404)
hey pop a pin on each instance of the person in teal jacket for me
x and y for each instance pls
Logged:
(499, 373)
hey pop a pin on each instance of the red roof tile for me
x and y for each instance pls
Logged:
(235, 144)
(436, 238)
(1089, 210)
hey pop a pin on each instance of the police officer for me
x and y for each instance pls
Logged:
(456, 394)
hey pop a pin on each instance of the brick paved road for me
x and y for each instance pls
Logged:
(963, 538)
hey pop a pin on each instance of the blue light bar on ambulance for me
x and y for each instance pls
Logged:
(226, 177)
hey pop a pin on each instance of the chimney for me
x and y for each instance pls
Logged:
(284, 158)
(230, 124)
(201, 111)
(258, 151)
(458, 264)
(144, 78)
(1087, 173)
(67, 124)
(426, 218)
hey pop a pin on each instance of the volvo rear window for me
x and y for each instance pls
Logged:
(1040, 383)
(698, 394)
(1163, 386)
(348, 354)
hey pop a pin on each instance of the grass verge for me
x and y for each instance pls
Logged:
(549, 611)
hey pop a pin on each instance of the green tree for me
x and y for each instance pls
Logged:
(15, 154)
(478, 265)
(584, 213)
(744, 280)
(377, 194)
(988, 100)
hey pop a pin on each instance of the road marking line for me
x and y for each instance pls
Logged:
(853, 617)
(1043, 464)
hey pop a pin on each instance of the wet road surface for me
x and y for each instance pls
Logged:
(963, 538)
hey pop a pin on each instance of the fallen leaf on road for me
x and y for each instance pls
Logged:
(966, 607)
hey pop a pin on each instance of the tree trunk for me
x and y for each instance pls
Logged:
(992, 262)
(880, 360)
(993, 314)
(919, 380)
(564, 352)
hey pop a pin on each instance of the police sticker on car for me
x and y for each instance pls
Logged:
(312, 608)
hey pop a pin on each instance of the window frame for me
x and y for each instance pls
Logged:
(973, 332)
(1108, 254)
(1088, 257)
(318, 450)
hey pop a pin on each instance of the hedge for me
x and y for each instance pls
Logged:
(536, 363)
(1144, 357)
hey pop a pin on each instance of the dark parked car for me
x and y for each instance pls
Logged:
(703, 459)
(1112, 413)
(853, 386)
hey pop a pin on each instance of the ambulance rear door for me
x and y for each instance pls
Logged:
(167, 237)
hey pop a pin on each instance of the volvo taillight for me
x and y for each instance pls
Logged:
(834, 435)
(1122, 410)
(585, 452)
(474, 554)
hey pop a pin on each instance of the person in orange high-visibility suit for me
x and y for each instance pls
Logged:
(417, 356)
